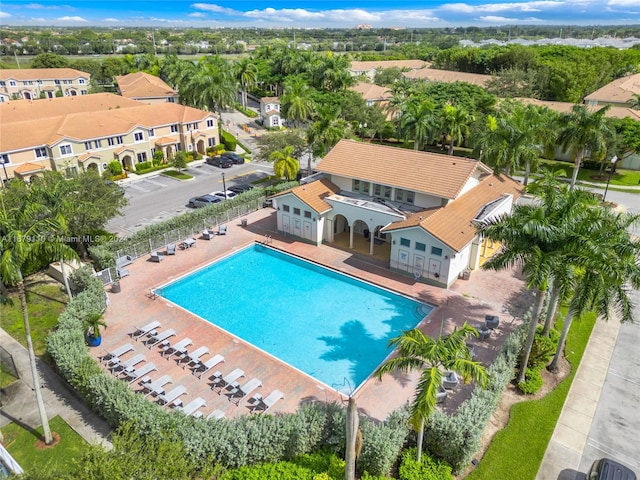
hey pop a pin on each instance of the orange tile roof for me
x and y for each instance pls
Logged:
(29, 167)
(313, 194)
(266, 100)
(21, 110)
(378, 64)
(447, 76)
(431, 173)
(23, 74)
(619, 91)
(452, 224)
(565, 107)
(86, 156)
(166, 141)
(370, 91)
(143, 85)
(122, 149)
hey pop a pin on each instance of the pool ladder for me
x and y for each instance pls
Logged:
(268, 239)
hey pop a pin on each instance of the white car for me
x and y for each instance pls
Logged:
(221, 194)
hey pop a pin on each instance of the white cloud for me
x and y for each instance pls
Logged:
(210, 7)
(38, 6)
(536, 6)
(110, 20)
(72, 19)
(624, 3)
(494, 19)
(4, 15)
(197, 15)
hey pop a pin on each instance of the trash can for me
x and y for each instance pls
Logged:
(115, 287)
(243, 222)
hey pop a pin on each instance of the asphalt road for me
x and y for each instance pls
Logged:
(157, 198)
(615, 430)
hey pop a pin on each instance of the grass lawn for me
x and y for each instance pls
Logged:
(45, 301)
(21, 444)
(6, 376)
(623, 178)
(178, 175)
(517, 450)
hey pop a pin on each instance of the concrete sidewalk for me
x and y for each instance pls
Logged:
(19, 403)
(562, 459)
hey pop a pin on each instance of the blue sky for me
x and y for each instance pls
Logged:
(317, 14)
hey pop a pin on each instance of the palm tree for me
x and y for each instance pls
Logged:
(417, 121)
(454, 123)
(608, 260)
(247, 76)
(417, 351)
(635, 101)
(213, 86)
(326, 131)
(28, 230)
(284, 165)
(585, 131)
(297, 102)
(491, 145)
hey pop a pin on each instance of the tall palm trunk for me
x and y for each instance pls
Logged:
(65, 279)
(48, 439)
(551, 310)
(451, 147)
(576, 168)
(352, 437)
(420, 440)
(563, 337)
(527, 172)
(531, 333)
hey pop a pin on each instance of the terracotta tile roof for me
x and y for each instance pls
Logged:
(370, 91)
(447, 76)
(22, 74)
(378, 64)
(122, 149)
(166, 141)
(431, 173)
(20, 110)
(86, 156)
(90, 124)
(313, 194)
(452, 224)
(143, 85)
(29, 167)
(272, 112)
(565, 107)
(266, 100)
(619, 91)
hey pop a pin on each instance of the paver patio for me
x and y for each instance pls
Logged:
(498, 293)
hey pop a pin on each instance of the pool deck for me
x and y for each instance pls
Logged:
(500, 293)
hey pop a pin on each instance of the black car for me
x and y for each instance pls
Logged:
(234, 157)
(222, 162)
(607, 469)
(203, 201)
(240, 188)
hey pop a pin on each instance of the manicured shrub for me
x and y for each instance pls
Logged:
(115, 168)
(143, 166)
(532, 383)
(229, 141)
(426, 469)
(542, 350)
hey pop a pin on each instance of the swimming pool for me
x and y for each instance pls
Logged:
(326, 324)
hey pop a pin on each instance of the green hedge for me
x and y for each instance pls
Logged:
(228, 140)
(248, 440)
(456, 438)
(426, 469)
(180, 227)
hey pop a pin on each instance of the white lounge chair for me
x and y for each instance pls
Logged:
(217, 414)
(207, 234)
(264, 404)
(176, 349)
(221, 382)
(159, 337)
(121, 350)
(156, 257)
(201, 369)
(142, 331)
(172, 395)
(138, 373)
(171, 249)
(193, 358)
(191, 407)
(156, 387)
(238, 392)
(127, 365)
(222, 230)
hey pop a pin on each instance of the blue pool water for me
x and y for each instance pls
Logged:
(331, 326)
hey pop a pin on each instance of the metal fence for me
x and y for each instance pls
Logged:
(6, 359)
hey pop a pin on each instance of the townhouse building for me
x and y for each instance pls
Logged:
(34, 83)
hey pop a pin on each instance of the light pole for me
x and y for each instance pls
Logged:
(4, 167)
(224, 186)
(613, 165)
(362, 127)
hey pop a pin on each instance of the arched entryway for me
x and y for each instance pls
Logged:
(27, 95)
(94, 167)
(127, 163)
(201, 147)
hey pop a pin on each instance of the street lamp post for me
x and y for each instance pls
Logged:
(362, 127)
(613, 165)
(224, 187)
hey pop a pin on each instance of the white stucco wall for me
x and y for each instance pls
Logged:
(309, 229)
(472, 182)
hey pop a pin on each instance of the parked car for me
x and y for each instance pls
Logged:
(222, 196)
(607, 469)
(234, 157)
(220, 161)
(240, 188)
(203, 201)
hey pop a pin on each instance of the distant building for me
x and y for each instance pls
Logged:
(72, 134)
(146, 88)
(446, 76)
(373, 94)
(34, 83)
(364, 26)
(369, 68)
(617, 93)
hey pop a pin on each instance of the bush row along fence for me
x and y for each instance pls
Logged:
(157, 236)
